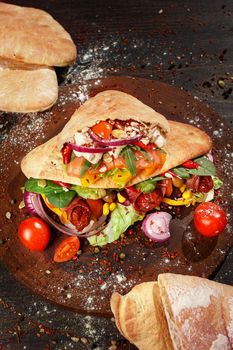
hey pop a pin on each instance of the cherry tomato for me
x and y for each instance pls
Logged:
(67, 249)
(209, 219)
(96, 206)
(34, 233)
(102, 129)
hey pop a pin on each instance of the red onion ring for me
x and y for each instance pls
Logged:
(156, 226)
(34, 206)
(85, 149)
(114, 142)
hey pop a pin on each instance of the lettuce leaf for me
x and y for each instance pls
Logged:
(121, 218)
(217, 182)
(89, 193)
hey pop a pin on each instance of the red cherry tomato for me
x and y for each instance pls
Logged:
(67, 249)
(209, 219)
(34, 233)
(102, 129)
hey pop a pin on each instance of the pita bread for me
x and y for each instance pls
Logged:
(183, 141)
(194, 311)
(187, 312)
(140, 318)
(32, 36)
(26, 91)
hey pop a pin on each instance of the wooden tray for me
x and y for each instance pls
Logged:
(85, 285)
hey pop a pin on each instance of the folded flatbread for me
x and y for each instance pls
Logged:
(27, 90)
(32, 36)
(184, 312)
(184, 141)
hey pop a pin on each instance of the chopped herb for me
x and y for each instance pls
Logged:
(130, 159)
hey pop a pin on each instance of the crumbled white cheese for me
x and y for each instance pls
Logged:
(82, 138)
(91, 157)
(116, 151)
(157, 138)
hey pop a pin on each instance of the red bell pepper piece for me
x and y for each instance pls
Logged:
(66, 153)
(63, 184)
(190, 164)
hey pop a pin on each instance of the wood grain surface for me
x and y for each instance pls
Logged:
(188, 44)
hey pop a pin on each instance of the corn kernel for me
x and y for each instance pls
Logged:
(187, 194)
(112, 206)
(105, 209)
(182, 188)
(120, 198)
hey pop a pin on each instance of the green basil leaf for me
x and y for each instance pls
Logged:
(85, 167)
(149, 185)
(206, 167)
(146, 187)
(130, 160)
(31, 185)
(182, 172)
(61, 199)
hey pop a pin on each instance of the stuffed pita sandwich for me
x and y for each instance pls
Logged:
(116, 160)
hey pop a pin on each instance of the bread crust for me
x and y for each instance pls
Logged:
(32, 36)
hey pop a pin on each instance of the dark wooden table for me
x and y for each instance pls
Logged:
(185, 43)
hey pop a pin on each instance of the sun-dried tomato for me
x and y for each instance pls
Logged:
(79, 213)
(205, 184)
(148, 201)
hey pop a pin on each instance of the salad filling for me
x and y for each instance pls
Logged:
(118, 149)
(103, 215)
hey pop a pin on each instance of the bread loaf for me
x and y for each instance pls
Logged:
(188, 313)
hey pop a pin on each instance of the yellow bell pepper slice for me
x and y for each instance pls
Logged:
(177, 202)
(88, 179)
(122, 176)
(61, 213)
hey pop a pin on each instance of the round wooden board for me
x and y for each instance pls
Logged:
(86, 285)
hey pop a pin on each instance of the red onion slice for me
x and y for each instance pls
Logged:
(85, 149)
(156, 226)
(114, 142)
(34, 206)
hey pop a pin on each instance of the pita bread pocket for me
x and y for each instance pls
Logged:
(194, 309)
(32, 36)
(183, 140)
(27, 90)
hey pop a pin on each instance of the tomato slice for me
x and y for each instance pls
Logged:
(75, 166)
(34, 233)
(96, 206)
(67, 249)
(169, 187)
(103, 129)
(209, 219)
